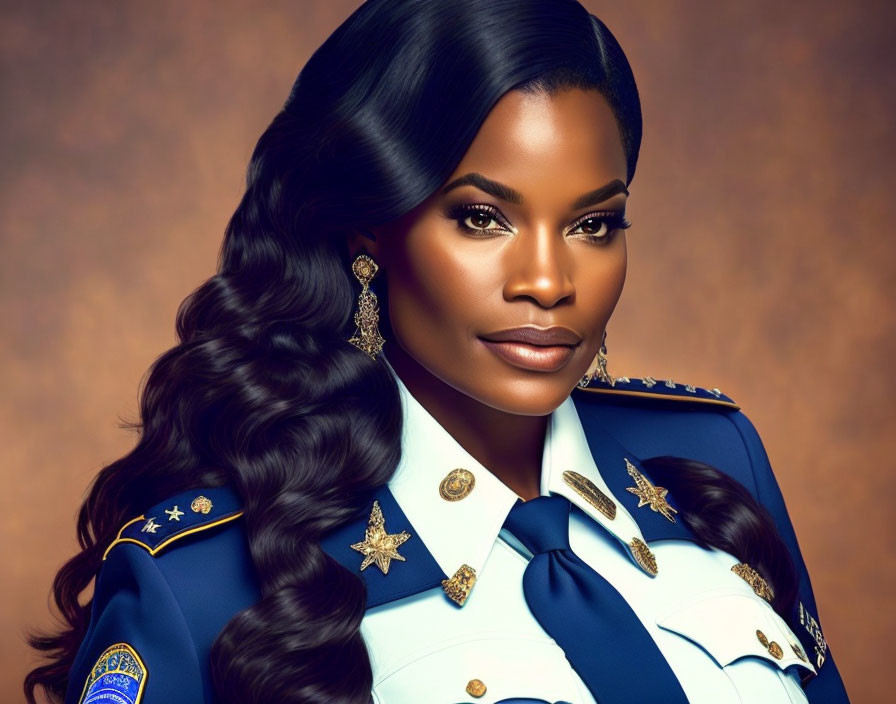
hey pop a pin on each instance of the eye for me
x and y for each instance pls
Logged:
(601, 226)
(476, 219)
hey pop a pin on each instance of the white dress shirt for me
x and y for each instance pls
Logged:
(425, 649)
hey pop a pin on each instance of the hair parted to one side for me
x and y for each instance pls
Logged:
(263, 392)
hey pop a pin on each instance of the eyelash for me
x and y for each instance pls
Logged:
(614, 220)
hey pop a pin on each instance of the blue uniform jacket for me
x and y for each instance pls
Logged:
(177, 574)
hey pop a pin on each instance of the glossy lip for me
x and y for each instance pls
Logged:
(544, 337)
(537, 349)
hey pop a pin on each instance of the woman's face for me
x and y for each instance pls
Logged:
(524, 234)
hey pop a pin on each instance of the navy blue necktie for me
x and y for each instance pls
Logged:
(603, 639)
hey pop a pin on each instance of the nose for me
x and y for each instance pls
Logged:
(539, 267)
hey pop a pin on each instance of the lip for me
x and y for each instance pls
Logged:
(543, 337)
(538, 349)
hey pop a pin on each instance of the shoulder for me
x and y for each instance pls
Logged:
(657, 391)
(177, 517)
(169, 582)
(654, 417)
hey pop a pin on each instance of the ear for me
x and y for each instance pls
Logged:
(366, 241)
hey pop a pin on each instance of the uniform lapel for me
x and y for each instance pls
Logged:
(610, 457)
(416, 573)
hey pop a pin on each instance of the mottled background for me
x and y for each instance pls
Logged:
(761, 257)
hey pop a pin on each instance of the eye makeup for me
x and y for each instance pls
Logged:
(607, 222)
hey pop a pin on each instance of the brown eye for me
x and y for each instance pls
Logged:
(601, 227)
(479, 220)
(592, 226)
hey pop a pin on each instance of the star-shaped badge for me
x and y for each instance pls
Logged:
(648, 494)
(378, 546)
(174, 514)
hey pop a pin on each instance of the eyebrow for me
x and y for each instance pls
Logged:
(506, 193)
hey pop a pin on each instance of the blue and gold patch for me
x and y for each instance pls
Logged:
(658, 389)
(179, 516)
(119, 677)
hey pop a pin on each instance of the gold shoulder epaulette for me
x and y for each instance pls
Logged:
(182, 515)
(658, 389)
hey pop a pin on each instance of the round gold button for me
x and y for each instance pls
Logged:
(457, 484)
(775, 650)
(762, 639)
(799, 652)
(476, 688)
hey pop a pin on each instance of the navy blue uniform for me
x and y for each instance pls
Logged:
(178, 573)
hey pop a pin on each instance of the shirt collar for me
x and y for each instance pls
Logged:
(462, 532)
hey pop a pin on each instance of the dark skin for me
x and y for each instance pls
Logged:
(539, 263)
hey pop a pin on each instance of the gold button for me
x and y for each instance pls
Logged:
(799, 652)
(762, 639)
(457, 484)
(775, 650)
(475, 688)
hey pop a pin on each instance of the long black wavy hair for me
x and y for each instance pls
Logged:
(264, 393)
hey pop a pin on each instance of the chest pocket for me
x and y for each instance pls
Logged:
(487, 669)
(747, 639)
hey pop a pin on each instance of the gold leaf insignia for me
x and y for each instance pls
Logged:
(589, 491)
(644, 556)
(378, 546)
(648, 494)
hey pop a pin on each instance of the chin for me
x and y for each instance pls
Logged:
(528, 396)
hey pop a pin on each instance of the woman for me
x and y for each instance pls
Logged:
(387, 461)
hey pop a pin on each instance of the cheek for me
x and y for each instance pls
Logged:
(433, 290)
(601, 283)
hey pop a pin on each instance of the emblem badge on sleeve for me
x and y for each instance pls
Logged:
(118, 676)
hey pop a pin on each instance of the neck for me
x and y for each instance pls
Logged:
(508, 445)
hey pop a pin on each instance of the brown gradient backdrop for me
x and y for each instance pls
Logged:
(761, 257)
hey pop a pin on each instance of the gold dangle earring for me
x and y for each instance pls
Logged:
(598, 367)
(367, 316)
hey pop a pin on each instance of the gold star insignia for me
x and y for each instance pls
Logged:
(378, 546)
(174, 514)
(648, 494)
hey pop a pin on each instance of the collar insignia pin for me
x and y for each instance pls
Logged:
(459, 586)
(457, 484)
(378, 546)
(644, 556)
(589, 491)
(648, 494)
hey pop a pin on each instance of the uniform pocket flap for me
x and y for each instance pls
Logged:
(731, 625)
